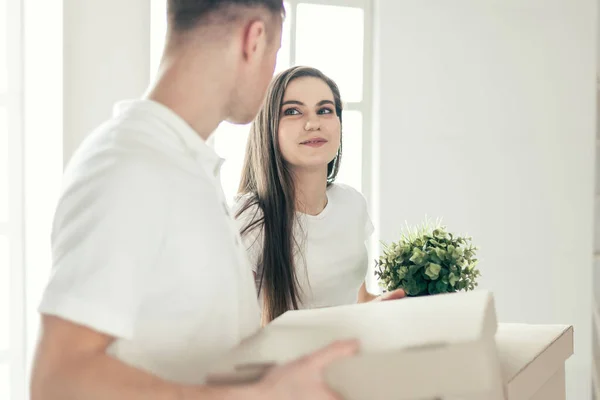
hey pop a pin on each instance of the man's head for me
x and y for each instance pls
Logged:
(248, 30)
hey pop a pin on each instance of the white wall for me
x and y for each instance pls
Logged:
(486, 117)
(42, 153)
(106, 59)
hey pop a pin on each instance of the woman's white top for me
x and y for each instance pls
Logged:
(332, 260)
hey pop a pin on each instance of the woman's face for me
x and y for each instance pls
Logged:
(309, 128)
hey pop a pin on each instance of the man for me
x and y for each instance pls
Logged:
(150, 285)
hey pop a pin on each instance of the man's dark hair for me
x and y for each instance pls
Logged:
(187, 14)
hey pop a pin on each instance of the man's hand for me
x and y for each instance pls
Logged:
(303, 378)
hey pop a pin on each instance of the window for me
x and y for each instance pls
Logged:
(30, 173)
(12, 375)
(344, 26)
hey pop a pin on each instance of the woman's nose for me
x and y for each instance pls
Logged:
(312, 124)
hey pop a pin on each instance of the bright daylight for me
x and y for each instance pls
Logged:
(299, 199)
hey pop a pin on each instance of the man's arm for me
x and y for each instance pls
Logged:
(71, 363)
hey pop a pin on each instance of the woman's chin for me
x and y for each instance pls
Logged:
(312, 165)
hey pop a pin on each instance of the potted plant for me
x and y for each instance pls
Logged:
(428, 260)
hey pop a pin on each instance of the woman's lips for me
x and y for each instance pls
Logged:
(314, 142)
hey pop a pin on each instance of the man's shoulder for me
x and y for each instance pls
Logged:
(124, 151)
(108, 177)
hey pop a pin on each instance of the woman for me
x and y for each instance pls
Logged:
(304, 233)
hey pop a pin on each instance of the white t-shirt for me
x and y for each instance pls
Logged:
(333, 262)
(145, 250)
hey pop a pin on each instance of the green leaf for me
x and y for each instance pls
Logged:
(441, 287)
(409, 286)
(441, 253)
(417, 256)
(440, 233)
(432, 287)
(401, 272)
(433, 271)
(452, 279)
(432, 256)
(421, 286)
(412, 270)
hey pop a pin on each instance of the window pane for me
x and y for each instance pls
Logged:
(4, 382)
(3, 166)
(3, 49)
(283, 57)
(351, 168)
(331, 38)
(230, 144)
(158, 32)
(4, 295)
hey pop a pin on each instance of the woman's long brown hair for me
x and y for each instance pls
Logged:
(268, 186)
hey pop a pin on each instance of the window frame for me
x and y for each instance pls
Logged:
(365, 106)
(369, 178)
(13, 229)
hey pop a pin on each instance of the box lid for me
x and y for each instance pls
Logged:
(531, 354)
(422, 347)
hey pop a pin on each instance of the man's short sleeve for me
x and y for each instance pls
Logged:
(107, 232)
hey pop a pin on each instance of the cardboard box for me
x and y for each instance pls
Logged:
(417, 348)
(533, 360)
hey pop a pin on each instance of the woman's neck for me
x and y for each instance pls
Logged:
(311, 190)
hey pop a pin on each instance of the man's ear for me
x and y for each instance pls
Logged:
(255, 39)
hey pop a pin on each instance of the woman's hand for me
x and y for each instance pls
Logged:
(393, 295)
(364, 296)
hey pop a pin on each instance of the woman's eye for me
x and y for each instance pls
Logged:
(325, 111)
(291, 111)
